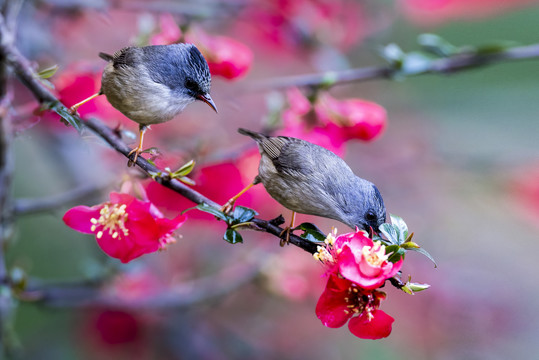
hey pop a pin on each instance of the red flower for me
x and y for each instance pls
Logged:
(125, 228)
(357, 258)
(226, 57)
(343, 299)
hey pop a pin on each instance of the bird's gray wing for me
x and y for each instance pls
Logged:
(288, 155)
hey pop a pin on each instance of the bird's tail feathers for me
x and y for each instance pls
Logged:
(252, 134)
(106, 57)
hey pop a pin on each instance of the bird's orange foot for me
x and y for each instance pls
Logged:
(228, 206)
(73, 110)
(135, 151)
(286, 240)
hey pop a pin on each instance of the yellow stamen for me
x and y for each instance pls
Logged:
(112, 217)
(375, 255)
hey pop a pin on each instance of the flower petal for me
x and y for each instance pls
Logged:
(79, 218)
(377, 328)
(332, 308)
(167, 226)
(348, 266)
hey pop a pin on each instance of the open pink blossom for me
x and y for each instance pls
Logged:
(125, 227)
(342, 300)
(359, 259)
(365, 262)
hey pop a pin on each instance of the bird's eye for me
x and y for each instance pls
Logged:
(371, 216)
(190, 84)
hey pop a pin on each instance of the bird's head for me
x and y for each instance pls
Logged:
(370, 210)
(197, 80)
(183, 69)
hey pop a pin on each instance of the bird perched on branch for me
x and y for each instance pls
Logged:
(153, 84)
(309, 179)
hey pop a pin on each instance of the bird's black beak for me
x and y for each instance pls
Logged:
(208, 100)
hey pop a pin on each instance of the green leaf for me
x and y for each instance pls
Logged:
(424, 252)
(184, 170)
(416, 287)
(211, 210)
(243, 214)
(311, 232)
(397, 255)
(415, 63)
(400, 227)
(393, 54)
(151, 150)
(437, 45)
(390, 232)
(392, 249)
(188, 181)
(329, 79)
(495, 47)
(67, 117)
(48, 72)
(232, 236)
(407, 289)
(410, 245)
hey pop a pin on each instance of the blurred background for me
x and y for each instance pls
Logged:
(455, 155)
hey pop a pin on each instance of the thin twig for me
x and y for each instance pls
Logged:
(7, 168)
(31, 206)
(451, 64)
(74, 295)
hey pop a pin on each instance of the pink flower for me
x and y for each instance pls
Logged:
(125, 227)
(226, 57)
(357, 258)
(170, 31)
(354, 118)
(330, 122)
(343, 299)
(300, 24)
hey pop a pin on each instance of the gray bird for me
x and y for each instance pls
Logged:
(153, 84)
(309, 179)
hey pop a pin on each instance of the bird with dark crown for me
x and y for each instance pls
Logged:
(153, 84)
(309, 179)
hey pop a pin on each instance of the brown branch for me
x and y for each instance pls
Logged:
(35, 205)
(8, 10)
(459, 62)
(183, 295)
(22, 68)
